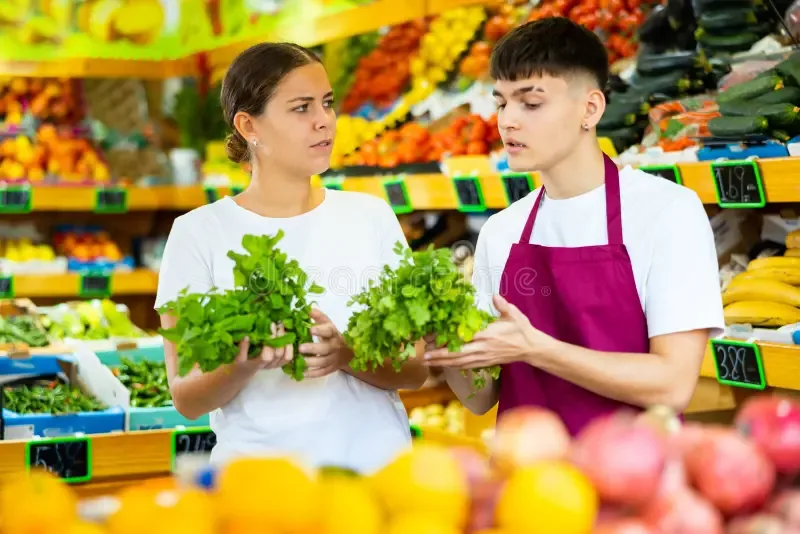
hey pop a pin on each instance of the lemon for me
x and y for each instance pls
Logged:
(349, 507)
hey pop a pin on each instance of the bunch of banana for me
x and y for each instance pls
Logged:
(765, 294)
(793, 244)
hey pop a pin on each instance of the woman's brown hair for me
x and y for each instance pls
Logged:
(251, 81)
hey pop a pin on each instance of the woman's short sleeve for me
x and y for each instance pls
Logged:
(186, 263)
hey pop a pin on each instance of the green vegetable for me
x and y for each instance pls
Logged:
(739, 108)
(269, 289)
(623, 137)
(22, 329)
(88, 320)
(52, 398)
(754, 88)
(660, 64)
(703, 6)
(616, 115)
(779, 115)
(147, 382)
(425, 295)
(727, 19)
(671, 83)
(735, 126)
(790, 68)
(727, 43)
(780, 135)
(786, 95)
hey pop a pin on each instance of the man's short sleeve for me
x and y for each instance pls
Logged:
(184, 264)
(483, 275)
(682, 288)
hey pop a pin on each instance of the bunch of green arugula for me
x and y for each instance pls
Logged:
(426, 294)
(269, 288)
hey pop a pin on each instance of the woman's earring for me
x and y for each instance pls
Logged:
(586, 127)
(254, 141)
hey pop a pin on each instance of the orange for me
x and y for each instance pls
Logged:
(349, 507)
(36, 502)
(189, 511)
(273, 493)
(138, 511)
(84, 528)
(420, 524)
(549, 496)
(425, 479)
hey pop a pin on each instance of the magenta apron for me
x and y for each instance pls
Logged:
(585, 296)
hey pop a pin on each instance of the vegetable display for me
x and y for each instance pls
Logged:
(425, 295)
(147, 382)
(269, 289)
(89, 320)
(22, 329)
(49, 397)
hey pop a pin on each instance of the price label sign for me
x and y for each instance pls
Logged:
(738, 184)
(67, 458)
(669, 172)
(334, 183)
(738, 364)
(111, 200)
(469, 194)
(212, 195)
(416, 432)
(235, 190)
(94, 285)
(7, 287)
(16, 199)
(197, 440)
(397, 195)
(517, 186)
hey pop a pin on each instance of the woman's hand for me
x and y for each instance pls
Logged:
(331, 353)
(270, 358)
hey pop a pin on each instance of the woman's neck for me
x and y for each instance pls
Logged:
(580, 172)
(278, 194)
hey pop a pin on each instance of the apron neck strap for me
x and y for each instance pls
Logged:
(613, 207)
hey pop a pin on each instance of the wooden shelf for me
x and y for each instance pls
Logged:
(136, 282)
(101, 68)
(781, 365)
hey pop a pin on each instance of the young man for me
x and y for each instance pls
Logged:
(605, 282)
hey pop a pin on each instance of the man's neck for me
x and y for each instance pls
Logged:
(578, 173)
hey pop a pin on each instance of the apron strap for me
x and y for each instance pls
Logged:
(613, 207)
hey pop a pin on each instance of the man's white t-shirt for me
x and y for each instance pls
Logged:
(665, 229)
(342, 244)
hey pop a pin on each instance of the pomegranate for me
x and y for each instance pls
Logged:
(731, 472)
(773, 422)
(756, 524)
(624, 459)
(526, 435)
(685, 512)
(624, 526)
(484, 488)
(786, 505)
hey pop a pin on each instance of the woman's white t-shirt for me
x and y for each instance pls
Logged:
(342, 244)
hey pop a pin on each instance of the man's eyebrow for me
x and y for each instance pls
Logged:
(520, 91)
(329, 94)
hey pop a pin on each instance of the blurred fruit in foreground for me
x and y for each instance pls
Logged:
(528, 435)
(36, 503)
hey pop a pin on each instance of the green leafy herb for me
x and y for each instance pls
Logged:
(426, 294)
(269, 289)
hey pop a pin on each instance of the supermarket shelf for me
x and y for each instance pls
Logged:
(137, 282)
(101, 68)
(781, 365)
(434, 7)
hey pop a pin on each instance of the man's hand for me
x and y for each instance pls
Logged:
(330, 354)
(511, 338)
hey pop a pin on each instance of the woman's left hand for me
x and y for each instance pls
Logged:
(330, 353)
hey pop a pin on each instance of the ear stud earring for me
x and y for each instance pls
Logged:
(254, 141)
(586, 127)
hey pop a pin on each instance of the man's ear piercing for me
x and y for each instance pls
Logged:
(254, 141)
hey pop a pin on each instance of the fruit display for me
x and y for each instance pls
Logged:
(270, 289)
(352, 50)
(446, 40)
(136, 21)
(23, 251)
(624, 473)
(56, 101)
(426, 294)
(730, 27)
(764, 295)
(383, 74)
(88, 247)
(147, 382)
(48, 397)
(89, 320)
(58, 153)
(449, 418)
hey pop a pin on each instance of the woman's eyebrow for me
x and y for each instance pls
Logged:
(329, 94)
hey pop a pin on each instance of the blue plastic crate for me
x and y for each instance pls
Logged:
(47, 425)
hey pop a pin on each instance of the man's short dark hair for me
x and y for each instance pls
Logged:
(553, 46)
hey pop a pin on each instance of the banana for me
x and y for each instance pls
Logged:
(765, 290)
(760, 313)
(792, 253)
(793, 239)
(777, 262)
(787, 275)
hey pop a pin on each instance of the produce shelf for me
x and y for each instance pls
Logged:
(781, 365)
(434, 7)
(137, 282)
(101, 68)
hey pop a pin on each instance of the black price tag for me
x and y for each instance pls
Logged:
(738, 364)
(469, 194)
(111, 200)
(94, 285)
(670, 172)
(7, 287)
(196, 440)
(212, 195)
(517, 186)
(416, 432)
(16, 199)
(334, 183)
(738, 184)
(68, 458)
(397, 194)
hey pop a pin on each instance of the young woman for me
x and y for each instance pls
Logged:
(278, 101)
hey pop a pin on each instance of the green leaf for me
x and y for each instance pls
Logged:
(280, 341)
(316, 289)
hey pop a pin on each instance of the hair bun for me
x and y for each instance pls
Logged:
(236, 148)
